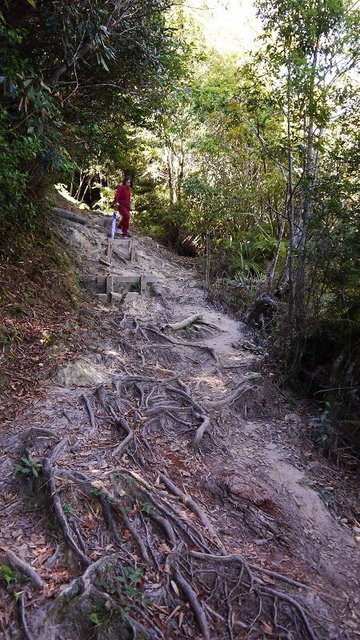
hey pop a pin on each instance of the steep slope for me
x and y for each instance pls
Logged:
(163, 489)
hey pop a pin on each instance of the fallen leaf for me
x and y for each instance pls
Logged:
(267, 628)
(173, 613)
(163, 548)
(175, 587)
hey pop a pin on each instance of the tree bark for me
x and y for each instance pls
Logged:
(307, 204)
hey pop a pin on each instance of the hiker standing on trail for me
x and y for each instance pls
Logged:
(123, 205)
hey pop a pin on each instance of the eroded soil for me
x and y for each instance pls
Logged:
(167, 489)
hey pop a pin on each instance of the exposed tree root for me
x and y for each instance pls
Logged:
(262, 590)
(189, 502)
(192, 345)
(17, 563)
(121, 422)
(23, 618)
(165, 525)
(283, 596)
(200, 431)
(89, 590)
(211, 326)
(137, 537)
(110, 521)
(235, 395)
(194, 602)
(59, 512)
(196, 320)
(90, 413)
(182, 324)
(164, 407)
(167, 552)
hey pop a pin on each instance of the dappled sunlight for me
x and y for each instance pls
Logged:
(212, 382)
(158, 460)
(63, 191)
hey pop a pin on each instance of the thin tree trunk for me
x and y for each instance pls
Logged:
(170, 176)
(78, 191)
(290, 209)
(86, 190)
(307, 207)
(276, 257)
(207, 259)
(72, 184)
(181, 173)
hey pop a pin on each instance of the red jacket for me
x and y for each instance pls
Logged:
(123, 198)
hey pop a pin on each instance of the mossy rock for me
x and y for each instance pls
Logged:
(90, 607)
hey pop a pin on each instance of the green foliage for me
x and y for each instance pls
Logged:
(95, 618)
(68, 509)
(29, 135)
(255, 165)
(77, 114)
(131, 579)
(7, 573)
(147, 508)
(102, 616)
(29, 466)
(127, 587)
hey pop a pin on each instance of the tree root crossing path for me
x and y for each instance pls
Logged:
(163, 489)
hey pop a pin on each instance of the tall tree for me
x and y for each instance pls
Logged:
(309, 49)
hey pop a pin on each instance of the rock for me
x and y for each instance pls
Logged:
(131, 295)
(79, 374)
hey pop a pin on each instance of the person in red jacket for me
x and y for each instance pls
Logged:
(123, 205)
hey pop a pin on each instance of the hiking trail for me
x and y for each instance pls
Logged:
(168, 491)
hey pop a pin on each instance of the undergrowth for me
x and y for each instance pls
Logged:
(39, 301)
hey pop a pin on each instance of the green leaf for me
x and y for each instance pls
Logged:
(104, 64)
(7, 573)
(68, 509)
(93, 617)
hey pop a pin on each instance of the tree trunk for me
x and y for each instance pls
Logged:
(290, 208)
(276, 258)
(181, 173)
(307, 201)
(207, 258)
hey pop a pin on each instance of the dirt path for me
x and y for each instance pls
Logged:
(175, 497)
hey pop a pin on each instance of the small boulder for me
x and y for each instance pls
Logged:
(79, 374)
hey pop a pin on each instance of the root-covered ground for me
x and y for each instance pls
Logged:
(163, 488)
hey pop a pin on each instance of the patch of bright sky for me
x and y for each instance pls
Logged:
(229, 26)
